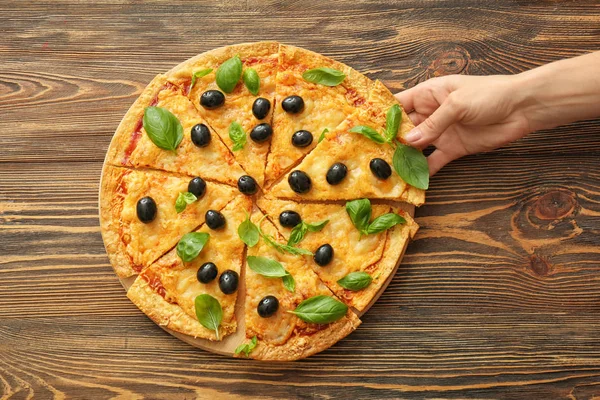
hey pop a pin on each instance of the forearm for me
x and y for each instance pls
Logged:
(560, 92)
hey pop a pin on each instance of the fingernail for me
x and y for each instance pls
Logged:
(413, 136)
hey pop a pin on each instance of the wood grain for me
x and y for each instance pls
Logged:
(499, 296)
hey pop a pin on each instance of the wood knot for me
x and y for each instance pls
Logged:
(446, 59)
(539, 265)
(555, 205)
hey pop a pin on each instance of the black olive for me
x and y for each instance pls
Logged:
(200, 135)
(323, 255)
(212, 99)
(197, 187)
(207, 272)
(228, 281)
(214, 219)
(299, 181)
(380, 168)
(289, 218)
(261, 107)
(302, 138)
(267, 306)
(336, 173)
(293, 104)
(261, 133)
(146, 209)
(247, 185)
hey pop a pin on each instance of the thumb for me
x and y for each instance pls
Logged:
(433, 126)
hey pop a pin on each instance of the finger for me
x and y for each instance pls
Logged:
(406, 99)
(417, 118)
(437, 160)
(433, 126)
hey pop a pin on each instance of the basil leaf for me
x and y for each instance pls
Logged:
(385, 222)
(229, 74)
(199, 74)
(209, 312)
(191, 244)
(360, 214)
(296, 251)
(162, 127)
(323, 135)
(247, 348)
(289, 283)
(183, 200)
(237, 136)
(317, 226)
(252, 80)
(266, 267)
(320, 310)
(297, 234)
(355, 281)
(369, 133)
(412, 166)
(324, 76)
(392, 122)
(248, 232)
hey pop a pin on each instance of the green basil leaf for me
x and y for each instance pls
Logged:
(237, 136)
(209, 312)
(252, 80)
(320, 310)
(229, 74)
(247, 348)
(392, 122)
(183, 200)
(369, 133)
(191, 244)
(248, 232)
(289, 283)
(199, 74)
(385, 222)
(412, 166)
(323, 135)
(324, 76)
(355, 281)
(360, 214)
(266, 267)
(162, 127)
(297, 234)
(296, 251)
(317, 226)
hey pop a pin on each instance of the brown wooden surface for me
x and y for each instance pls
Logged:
(499, 297)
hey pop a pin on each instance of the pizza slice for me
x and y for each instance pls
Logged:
(166, 291)
(273, 331)
(198, 152)
(233, 88)
(139, 218)
(339, 247)
(305, 109)
(348, 165)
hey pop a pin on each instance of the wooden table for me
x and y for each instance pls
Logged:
(499, 297)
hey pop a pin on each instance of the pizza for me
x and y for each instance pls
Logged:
(257, 199)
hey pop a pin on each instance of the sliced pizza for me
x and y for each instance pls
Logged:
(278, 307)
(167, 290)
(139, 216)
(233, 88)
(354, 160)
(340, 249)
(194, 149)
(308, 105)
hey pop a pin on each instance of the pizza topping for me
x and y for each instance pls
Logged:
(212, 99)
(323, 135)
(355, 281)
(302, 229)
(214, 219)
(191, 244)
(146, 209)
(183, 200)
(237, 136)
(261, 107)
(369, 133)
(261, 132)
(162, 127)
(248, 232)
(293, 104)
(299, 181)
(289, 218)
(229, 74)
(324, 76)
(267, 306)
(247, 185)
(200, 135)
(251, 80)
(380, 168)
(302, 138)
(320, 310)
(360, 215)
(323, 255)
(197, 75)
(209, 312)
(393, 119)
(412, 166)
(207, 272)
(247, 348)
(197, 187)
(271, 269)
(336, 173)
(228, 282)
